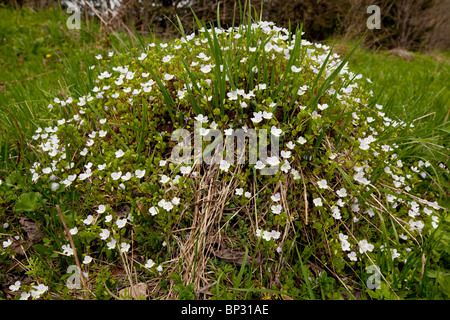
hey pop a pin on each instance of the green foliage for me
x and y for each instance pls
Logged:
(357, 184)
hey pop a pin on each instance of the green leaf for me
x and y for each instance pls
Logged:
(28, 202)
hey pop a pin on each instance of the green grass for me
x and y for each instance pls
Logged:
(416, 92)
(42, 59)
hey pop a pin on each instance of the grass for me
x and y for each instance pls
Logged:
(43, 59)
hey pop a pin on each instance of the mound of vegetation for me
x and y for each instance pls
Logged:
(327, 197)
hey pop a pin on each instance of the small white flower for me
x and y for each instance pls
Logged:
(88, 220)
(121, 222)
(224, 165)
(276, 209)
(111, 244)
(342, 192)
(24, 296)
(104, 234)
(124, 247)
(164, 179)
(295, 69)
(352, 256)
(259, 165)
(239, 191)
(276, 197)
(275, 131)
(318, 202)
(273, 161)
(301, 140)
(167, 206)
(126, 176)
(15, 286)
(286, 154)
(139, 173)
(87, 259)
(149, 264)
(322, 184)
(119, 153)
(116, 175)
(322, 106)
(101, 208)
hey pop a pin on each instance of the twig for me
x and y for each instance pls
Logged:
(69, 237)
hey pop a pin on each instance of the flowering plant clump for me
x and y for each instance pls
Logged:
(342, 198)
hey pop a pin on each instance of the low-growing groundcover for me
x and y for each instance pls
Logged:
(344, 216)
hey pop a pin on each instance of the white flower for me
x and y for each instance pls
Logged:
(239, 191)
(345, 245)
(111, 244)
(15, 286)
(352, 256)
(301, 140)
(149, 264)
(276, 209)
(88, 220)
(395, 254)
(167, 206)
(204, 132)
(342, 192)
(185, 170)
(336, 213)
(104, 234)
(87, 260)
(322, 106)
(73, 231)
(275, 131)
(108, 218)
(153, 211)
(201, 118)
(318, 202)
(290, 145)
(295, 69)
(206, 68)
(116, 175)
(162, 163)
(126, 176)
(121, 222)
(275, 234)
(38, 291)
(124, 247)
(273, 161)
(101, 208)
(365, 246)
(139, 173)
(285, 167)
(259, 165)
(322, 184)
(266, 235)
(164, 179)
(24, 296)
(276, 197)
(119, 153)
(224, 165)
(286, 154)
(247, 194)
(167, 58)
(257, 117)
(168, 77)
